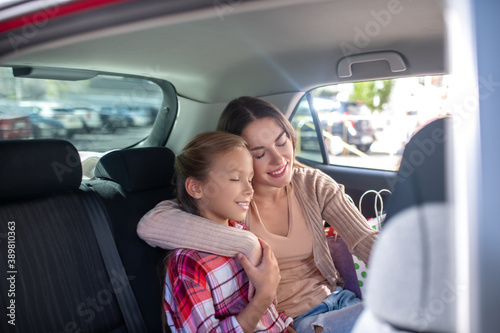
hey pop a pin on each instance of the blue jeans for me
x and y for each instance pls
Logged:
(337, 313)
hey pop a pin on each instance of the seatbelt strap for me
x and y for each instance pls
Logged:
(114, 266)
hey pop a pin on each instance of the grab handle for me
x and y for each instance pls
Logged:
(394, 59)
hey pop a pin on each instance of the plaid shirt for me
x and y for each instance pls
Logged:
(204, 293)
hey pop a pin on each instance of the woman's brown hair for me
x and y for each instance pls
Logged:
(196, 159)
(244, 110)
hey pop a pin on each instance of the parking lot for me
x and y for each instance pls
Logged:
(99, 141)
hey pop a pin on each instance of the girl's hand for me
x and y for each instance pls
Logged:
(265, 277)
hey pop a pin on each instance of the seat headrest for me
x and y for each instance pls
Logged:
(420, 178)
(138, 169)
(29, 168)
(411, 284)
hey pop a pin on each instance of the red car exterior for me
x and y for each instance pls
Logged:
(15, 127)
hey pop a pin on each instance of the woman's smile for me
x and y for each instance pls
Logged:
(279, 172)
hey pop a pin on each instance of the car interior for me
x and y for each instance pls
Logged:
(161, 72)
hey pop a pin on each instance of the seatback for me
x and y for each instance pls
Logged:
(57, 280)
(411, 286)
(131, 182)
(420, 179)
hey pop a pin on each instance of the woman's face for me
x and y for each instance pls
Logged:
(272, 152)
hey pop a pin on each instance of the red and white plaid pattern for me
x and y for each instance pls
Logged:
(204, 293)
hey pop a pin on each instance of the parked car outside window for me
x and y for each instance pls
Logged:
(358, 135)
(14, 126)
(96, 115)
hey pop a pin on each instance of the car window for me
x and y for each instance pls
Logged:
(308, 145)
(367, 124)
(96, 115)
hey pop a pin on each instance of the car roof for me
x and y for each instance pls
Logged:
(215, 51)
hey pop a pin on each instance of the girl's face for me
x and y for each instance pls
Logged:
(272, 152)
(227, 191)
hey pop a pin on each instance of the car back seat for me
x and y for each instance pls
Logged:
(58, 281)
(131, 182)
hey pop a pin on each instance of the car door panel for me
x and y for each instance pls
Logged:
(359, 180)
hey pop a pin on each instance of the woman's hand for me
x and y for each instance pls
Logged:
(265, 277)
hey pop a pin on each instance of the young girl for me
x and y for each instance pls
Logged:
(206, 292)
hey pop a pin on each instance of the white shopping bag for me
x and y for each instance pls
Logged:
(359, 265)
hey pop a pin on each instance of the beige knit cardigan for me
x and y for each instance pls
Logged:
(320, 197)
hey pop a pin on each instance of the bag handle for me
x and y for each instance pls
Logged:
(377, 197)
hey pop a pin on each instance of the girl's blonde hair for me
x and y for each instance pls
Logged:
(196, 160)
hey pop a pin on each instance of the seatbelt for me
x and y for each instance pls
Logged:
(114, 266)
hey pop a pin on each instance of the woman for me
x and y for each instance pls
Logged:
(288, 209)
